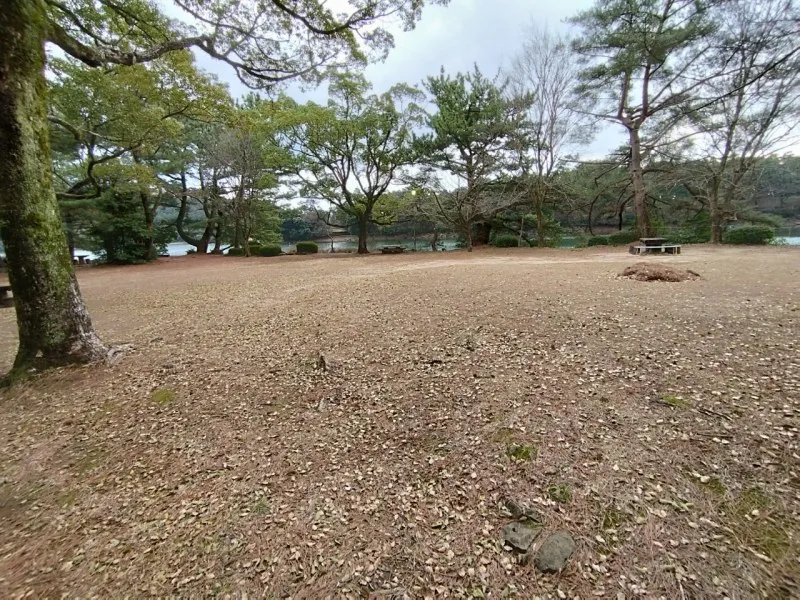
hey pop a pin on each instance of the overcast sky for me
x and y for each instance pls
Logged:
(466, 32)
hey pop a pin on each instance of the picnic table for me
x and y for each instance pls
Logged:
(82, 259)
(393, 249)
(4, 290)
(654, 245)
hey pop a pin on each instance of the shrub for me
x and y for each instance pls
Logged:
(307, 248)
(235, 252)
(750, 234)
(597, 240)
(506, 240)
(689, 236)
(621, 238)
(191, 251)
(269, 250)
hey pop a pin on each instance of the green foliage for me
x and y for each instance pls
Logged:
(118, 228)
(268, 250)
(597, 240)
(294, 225)
(162, 396)
(696, 230)
(689, 236)
(522, 452)
(581, 239)
(470, 140)
(359, 141)
(506, 240)
(235, 252)
(750, 234)
(676, 401)
(307, 248)
(621, 238)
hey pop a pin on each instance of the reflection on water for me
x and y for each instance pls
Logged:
(786, 237)
(340, 245)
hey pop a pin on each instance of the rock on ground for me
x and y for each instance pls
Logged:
(520, 536)
(554, 553)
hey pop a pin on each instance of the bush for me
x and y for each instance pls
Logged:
(689, 236)
(597, 240)
(750, 234)
(506, 240)
(269, 250)
(235, 252)
(307, 248)
(621, 238)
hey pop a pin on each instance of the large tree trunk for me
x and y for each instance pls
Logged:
(716, 216)
(52, 319)
(218, 237)
(149, 223)
(643, 226)
(201, 244)
(540, 238)
(363, 230)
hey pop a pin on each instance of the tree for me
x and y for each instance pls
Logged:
(468, 150)
(542, 78)
(755, 114)
(295, 226)
(652, 64)
(122, 124)
(643, 57)
(266, 43)
(351, 151)
(199, 217)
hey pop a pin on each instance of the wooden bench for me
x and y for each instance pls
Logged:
(393, 249)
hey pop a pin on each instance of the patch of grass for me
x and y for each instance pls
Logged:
(758, 525)
(613, 518)
(677, 402)
(559, 492)
(504, 435)
(716, 486)
(524, 452)
(260, 508)
(163, 396)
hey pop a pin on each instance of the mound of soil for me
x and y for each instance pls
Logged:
(655, 272)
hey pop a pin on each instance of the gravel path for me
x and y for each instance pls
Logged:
(657, 423)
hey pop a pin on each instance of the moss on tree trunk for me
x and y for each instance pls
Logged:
(54, 326)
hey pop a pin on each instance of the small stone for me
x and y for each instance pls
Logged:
(520, 536)
(554, 553)
(521, 512)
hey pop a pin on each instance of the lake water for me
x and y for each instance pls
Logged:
(339, 245)
(180, 248)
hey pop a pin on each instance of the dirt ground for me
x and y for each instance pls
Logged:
(655, 422)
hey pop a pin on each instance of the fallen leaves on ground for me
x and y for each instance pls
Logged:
(219, 458)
